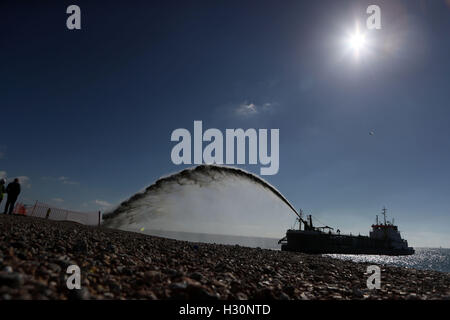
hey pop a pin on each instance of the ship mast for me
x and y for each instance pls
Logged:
(300, 216)
(306, 225)
(384, 214)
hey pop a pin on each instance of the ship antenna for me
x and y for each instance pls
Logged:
(377, 220)
(384, 214)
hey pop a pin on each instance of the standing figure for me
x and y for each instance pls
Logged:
(2, 189)
(13, 191)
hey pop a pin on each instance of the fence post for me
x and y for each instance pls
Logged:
(34, 208)
(99, 218)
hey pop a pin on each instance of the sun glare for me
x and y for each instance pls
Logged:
(357, 41)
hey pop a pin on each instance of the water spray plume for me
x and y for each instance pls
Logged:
(206, 199)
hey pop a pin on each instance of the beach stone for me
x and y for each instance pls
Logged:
(6, 296)
(54, 267)
(197, 276)
(283, 296)
(241, 296)
(80, 246)
(178, 286)
(78, 294)
(8, 269)
(13, 280)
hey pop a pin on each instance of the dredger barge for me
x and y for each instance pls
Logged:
(384, 239)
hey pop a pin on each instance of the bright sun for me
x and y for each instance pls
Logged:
(357, 41)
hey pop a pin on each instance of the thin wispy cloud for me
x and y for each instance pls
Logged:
(58, 200)
(103, 203)
(247, 109)
(71, 182)
(251, 109)
(66, 180)
(61, 179)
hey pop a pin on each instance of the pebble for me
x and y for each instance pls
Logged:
(8, 269)
(12, 280)
(78, 294)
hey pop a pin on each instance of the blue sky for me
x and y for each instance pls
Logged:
(87, 115)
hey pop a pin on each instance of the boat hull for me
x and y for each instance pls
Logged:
(324, 243)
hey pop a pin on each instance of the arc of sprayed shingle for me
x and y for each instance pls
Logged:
(187, 173)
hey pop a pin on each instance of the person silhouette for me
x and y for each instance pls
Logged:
(2, 189)
(13, 191)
